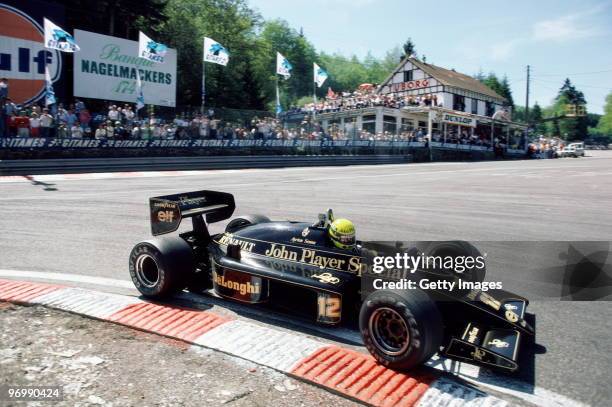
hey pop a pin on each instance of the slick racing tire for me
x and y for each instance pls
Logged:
(401, 329)
(457, 249)
(242, 221)
(161, 267)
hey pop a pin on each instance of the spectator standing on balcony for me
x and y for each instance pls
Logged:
(61, 114)
(2, 118)
(213, 124)
(10, 109)
(71, 118)
(128, 113)
(76, 130)
(113, 114)
(101, 132)
(110, 130)
(4, 89)
(84, 117)
(203, 129)
(34, 125)
(22, 123)
(79, 106)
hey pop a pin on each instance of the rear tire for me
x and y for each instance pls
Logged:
(243, 221)
(401, 329)
(161, 267)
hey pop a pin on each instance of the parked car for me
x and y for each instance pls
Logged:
(572, 150)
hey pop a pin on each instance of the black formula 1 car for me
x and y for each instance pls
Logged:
(293, 266)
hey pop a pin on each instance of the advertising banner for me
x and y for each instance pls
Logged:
(23, 56)
(35, 143)
(460, 120)
(105, 68)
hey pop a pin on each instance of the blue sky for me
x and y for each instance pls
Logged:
(557, 38)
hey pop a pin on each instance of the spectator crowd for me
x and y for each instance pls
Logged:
(364, 98)
(121, 122)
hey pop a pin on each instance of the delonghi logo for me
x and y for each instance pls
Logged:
(242, 288)
(23, 56)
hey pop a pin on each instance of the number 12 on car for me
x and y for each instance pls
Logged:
(329, 308)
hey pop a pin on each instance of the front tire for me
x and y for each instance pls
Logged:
(401, 329)
(457, 249)
(161, 267)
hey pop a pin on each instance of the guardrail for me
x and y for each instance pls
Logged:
(77, 165)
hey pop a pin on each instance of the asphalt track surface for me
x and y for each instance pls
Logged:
(88, 226)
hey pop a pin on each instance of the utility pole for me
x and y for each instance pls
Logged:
(527, 97)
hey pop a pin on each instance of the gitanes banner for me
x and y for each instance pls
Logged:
(41, 143)
(105, 68)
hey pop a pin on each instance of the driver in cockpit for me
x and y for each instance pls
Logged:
(341, 232)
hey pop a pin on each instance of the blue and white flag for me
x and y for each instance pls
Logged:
(140, 96)
(279, 108)
(151, 50)
(283, 67)
(57, 38)
(320, 75)
(49, 93)
(215, 52)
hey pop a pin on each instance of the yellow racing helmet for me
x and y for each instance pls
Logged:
(342, 233)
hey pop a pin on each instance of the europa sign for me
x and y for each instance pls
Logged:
(23, 56)
(418, 84)
(460, 120)
(106, 68)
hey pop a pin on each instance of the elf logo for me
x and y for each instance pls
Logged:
(23, 56)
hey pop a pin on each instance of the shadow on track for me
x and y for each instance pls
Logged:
(46, 186)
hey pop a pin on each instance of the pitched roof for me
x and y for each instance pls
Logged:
(449, 77)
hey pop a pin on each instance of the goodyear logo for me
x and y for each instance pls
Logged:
(23, 56)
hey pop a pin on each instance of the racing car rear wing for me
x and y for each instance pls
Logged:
(167, 211)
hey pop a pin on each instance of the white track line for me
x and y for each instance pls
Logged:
(74, 278)
(486, 166)
(470, 373)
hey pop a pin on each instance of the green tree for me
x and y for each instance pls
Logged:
(570, 128)
(501, 87)
(108, 17)
(535, 116)
(235, 26)
(409, 48)
(506, 91)
(605, 121)
(278, 36)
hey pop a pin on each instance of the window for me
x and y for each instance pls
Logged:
(389, 124)
(408, 75)
(490, 109)
(459, 103)
(368, 123)
(474, 106)
(407, 124)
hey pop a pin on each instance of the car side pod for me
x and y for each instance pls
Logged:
(496, 348)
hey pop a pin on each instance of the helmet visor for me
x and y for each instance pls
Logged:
(348, 239)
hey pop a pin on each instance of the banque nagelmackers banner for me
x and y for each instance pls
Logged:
(105, 68)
